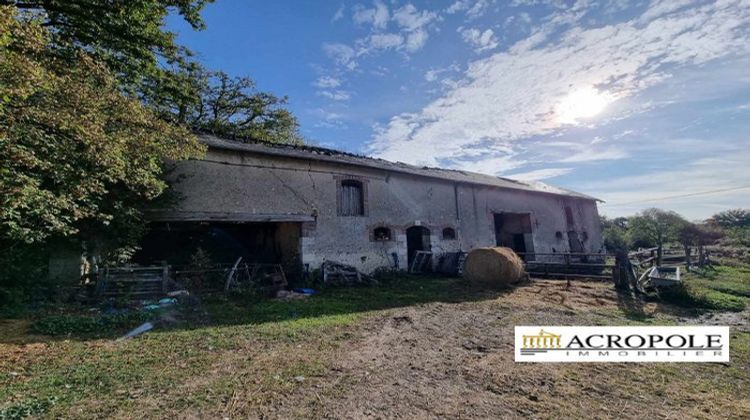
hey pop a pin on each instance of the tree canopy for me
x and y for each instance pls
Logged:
(733, 218)
(131, 39)
(655, 226)
(234, 108)
(79, 156)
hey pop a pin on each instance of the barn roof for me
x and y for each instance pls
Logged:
(321, 154)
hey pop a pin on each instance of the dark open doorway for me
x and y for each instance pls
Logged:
(417, 239)
(513, 230)
(224, 242)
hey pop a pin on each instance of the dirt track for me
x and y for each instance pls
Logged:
(456, 360)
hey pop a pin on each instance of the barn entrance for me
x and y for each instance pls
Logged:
(417, 239)
(222, 243)
(513, 230)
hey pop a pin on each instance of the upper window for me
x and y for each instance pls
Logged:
(351, 202)
(382, 234)
(449, 234)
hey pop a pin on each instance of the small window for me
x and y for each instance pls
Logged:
(558, 235)
(382, 234)
(584, 236)
(351, 198)
(449, 234)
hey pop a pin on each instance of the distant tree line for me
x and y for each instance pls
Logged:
(656, 228)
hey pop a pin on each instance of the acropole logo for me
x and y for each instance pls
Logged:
(622, 344)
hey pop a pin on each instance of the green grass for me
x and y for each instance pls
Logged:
(273, 341)
(70, 371)
(723, 288)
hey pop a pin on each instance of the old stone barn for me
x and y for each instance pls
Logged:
(300, 206)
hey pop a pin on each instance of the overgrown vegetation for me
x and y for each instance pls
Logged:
(96, 100)
(267, 354)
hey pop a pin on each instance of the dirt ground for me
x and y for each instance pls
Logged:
(443, 360)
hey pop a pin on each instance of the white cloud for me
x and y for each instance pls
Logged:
(342, 54)
(473, 8)
(513, 95)
(409, 35)
(328, 119)
(385, 41)
(433, 74)
(336, 95)
(327, 82)
(339, 13)
(480, 41)
(696, 189)
(377, 16)
(411, 19)
(416, 40)
(540, 174)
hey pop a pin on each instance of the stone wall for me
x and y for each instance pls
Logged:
(239, 184)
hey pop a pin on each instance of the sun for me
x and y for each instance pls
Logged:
(582, 103)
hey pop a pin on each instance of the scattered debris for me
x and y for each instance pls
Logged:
(421, 262)
(451, 263)
(290, 294)
(140, 282)
(232, 277)
(341, 274)
(659, 277)
(304, 290)
(146, 326)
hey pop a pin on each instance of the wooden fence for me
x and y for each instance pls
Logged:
(569, 265)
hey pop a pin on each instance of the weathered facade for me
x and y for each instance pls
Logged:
(306, 205)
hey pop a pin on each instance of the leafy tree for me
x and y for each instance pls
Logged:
(697, 235)
(734, 218)
(617, 222)
(79, 157)
(615, 239)
(233, 108)
(655, 226)
(129, 36)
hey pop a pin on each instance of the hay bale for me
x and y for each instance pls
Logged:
(493, 266)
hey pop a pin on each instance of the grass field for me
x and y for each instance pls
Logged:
(411, 347)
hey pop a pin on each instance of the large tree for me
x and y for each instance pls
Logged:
(232, 107)
(78, 156)
(129, 36)
(733, 218)
(131, 39)
(655, 226)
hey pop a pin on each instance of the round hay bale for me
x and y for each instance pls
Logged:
(493, 266)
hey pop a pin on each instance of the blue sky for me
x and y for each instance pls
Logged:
(642, 104)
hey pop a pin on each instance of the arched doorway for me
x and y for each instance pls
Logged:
(417, 239)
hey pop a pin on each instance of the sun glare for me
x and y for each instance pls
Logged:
(581, 104)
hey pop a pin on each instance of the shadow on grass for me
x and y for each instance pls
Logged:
(393, 292)
(632, 305)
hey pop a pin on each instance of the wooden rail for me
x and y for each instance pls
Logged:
(573, 265)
